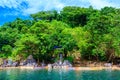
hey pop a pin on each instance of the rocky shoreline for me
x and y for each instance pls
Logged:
(30, 63)
(67, 68)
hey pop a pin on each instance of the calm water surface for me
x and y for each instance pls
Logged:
(17, 74)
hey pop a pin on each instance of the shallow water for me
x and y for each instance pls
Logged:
(18, 74)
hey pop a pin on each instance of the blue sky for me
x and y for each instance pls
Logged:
(11, 9)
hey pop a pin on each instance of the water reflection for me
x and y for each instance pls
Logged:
(58, 74)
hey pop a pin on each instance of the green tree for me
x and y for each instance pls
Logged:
(74, 16)
(45, 15)
(26, 45)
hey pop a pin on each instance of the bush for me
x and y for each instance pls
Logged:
(70, 59)
(1, 61)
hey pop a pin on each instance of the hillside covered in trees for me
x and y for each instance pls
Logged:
(86, 33)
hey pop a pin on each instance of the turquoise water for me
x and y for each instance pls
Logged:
(17, 74)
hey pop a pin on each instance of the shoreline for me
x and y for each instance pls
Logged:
(97, 68)
(72, 68)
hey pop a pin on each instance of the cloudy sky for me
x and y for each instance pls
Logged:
(10, 9)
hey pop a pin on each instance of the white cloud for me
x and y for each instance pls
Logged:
(101, 3)
(10, 3)
(34, 6)
(98, 4)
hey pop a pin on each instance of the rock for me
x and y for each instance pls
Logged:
(42, 64)
(31, 61)
(108, 64)
(9, 63)
(4, 63)
(50, 66)
(58, 65)
(67, 63)
(118, 65)
(23, 63)
(35, 64)
(15, 64)
(30, 57)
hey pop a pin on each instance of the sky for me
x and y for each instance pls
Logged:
(11, 9)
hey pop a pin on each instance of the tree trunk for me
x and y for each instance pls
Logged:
(38, 61)
(111, 55)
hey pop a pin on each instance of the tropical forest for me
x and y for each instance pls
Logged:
(75, 32)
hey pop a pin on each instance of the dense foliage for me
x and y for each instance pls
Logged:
(74, 32)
